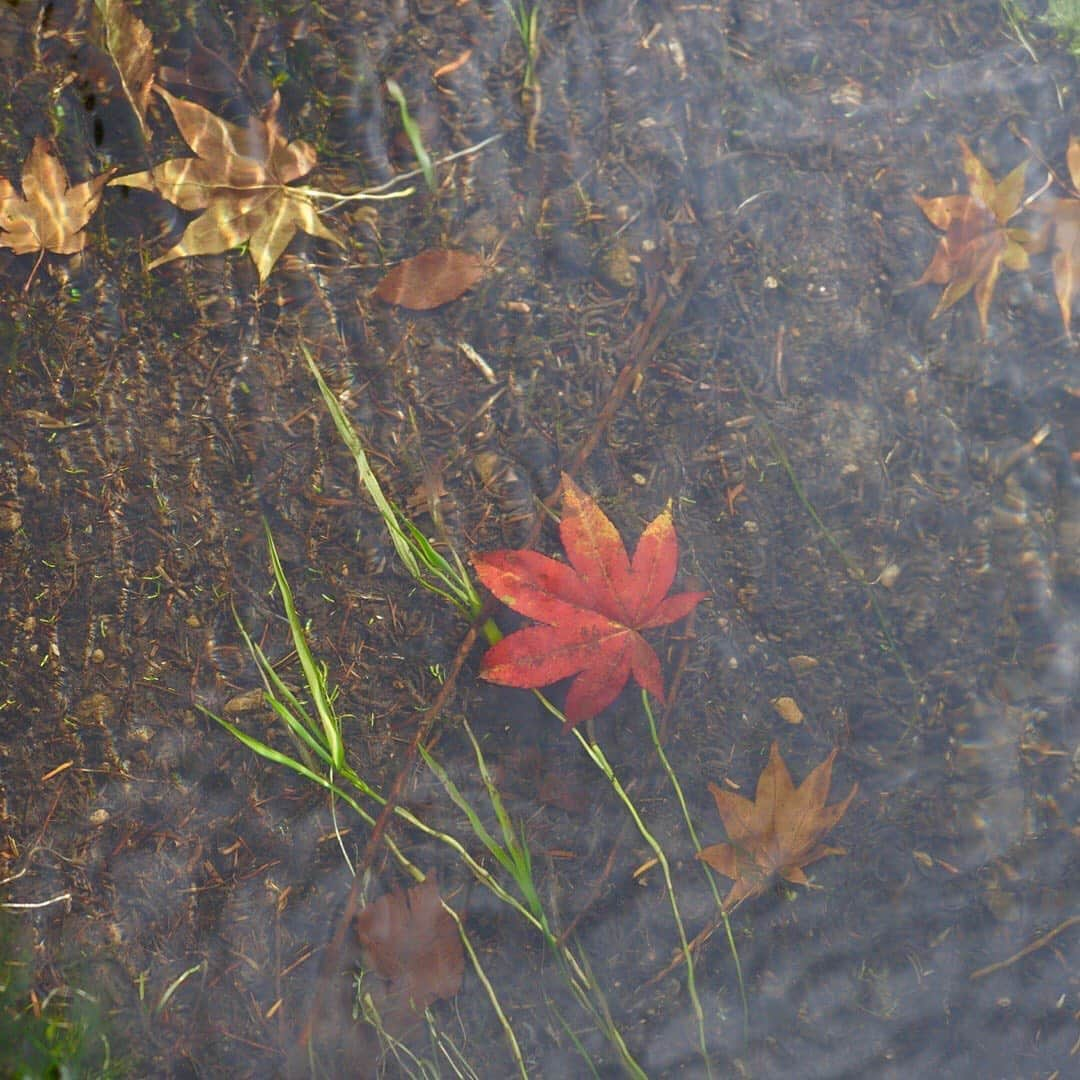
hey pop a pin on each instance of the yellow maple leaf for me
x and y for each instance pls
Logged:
(49, 215)
(239, 179)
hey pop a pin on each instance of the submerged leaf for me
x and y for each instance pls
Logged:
(779, 832)
(49, 215)
(592, 609)
(238, 179)
(976, 243)
(129, 43)
(1064, 218)
(412, 942)
(430, 279)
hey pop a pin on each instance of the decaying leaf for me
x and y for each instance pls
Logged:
(593, 609)
(977, 242)
(1064, 216)
(412, 942)
(129, 43)
(239, 181)
(430, 279)
(49, 215)
(780, 832)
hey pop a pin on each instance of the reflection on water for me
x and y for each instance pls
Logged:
(703, 214)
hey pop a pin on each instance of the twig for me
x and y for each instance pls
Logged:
(11, 906)
(1027, 950)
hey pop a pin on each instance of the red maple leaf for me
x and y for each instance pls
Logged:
(592, 609)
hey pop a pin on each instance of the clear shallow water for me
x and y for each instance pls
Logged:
(154, 418)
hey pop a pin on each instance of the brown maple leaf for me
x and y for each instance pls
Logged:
(779, 832)
(594, 608)
(1064, 217)
(977, 242)
(49, 215)
(239, 180)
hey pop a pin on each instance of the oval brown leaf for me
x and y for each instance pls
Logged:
(413, 944)
(430, 279)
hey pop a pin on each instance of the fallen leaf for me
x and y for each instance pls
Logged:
(239, 181)
(412, 942)
(129, 43)
(593, 609)
(49, 215)
(1064, 217)
(780, 832)
(430, 279)
(976, 243)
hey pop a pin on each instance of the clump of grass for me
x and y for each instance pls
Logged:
(526, 19)
(1063, 16)
(58, 1035)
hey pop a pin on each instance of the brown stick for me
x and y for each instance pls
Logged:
(1027, 950)
(655, 330)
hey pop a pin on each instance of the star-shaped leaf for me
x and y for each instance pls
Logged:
(977, 242)
(592, 609)
(49, 215)
(239, 180)
(779, 832)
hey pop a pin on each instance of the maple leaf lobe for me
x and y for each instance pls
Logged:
(1063, 216)
(592, 608)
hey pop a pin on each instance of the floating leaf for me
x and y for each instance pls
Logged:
(239, 181)
(779, 833)
(412, 942)
(976, 243)
(430, 279)
(593, 609)
(49, 215)
(129, 43)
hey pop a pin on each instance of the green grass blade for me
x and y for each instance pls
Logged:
(313, 676)
(674, 780)
(414, 135)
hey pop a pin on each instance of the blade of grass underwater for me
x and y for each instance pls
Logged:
(674, 780)
(278, 758)
(460, 590)
(602, 763)
(367, 476)
(516, 847)
(414, 135)
(597, 757)
(494, 847)
(316, 680)
(417, 554)
(305, 729)
(516, 860)
(515, 1049)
